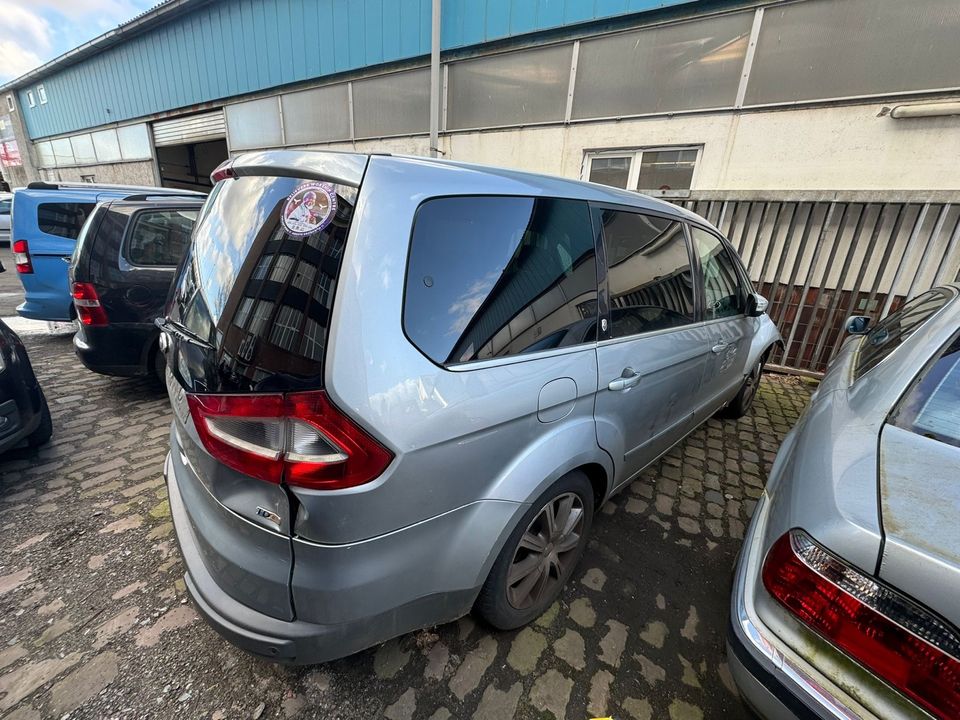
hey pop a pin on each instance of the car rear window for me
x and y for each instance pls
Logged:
(492, 277)
(932, 407)
(159, 237)
(63, 219)
(4, 207)
(893, 330)
(258, 280)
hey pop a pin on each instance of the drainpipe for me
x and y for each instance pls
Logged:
(435, 80)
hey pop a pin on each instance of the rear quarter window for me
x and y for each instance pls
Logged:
(893, 330)
(159, 237)
(491, 277)
(63, 219)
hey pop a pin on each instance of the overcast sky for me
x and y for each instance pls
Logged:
(35, 31)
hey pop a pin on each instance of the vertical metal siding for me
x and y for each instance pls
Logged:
(240, 46)
(820, 259)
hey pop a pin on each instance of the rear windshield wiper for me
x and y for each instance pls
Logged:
(174, 328)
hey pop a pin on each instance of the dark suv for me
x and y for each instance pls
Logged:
(119, 276)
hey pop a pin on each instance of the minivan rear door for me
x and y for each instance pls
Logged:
(246, 323)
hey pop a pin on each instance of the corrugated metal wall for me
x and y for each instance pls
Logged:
(820, 257)
(235, 47)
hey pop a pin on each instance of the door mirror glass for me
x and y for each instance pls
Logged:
(756, 305)
(857, 324)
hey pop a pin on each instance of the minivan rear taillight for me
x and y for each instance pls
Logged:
(890, 635)
(89, 310)
(21, 257)
(298, 438)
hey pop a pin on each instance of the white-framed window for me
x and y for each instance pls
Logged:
(42, 94)
(31, 100)
(666, 171)
(10, 104)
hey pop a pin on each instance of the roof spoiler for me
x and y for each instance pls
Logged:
(338, 167)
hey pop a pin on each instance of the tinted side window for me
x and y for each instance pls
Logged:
(4, 207)
(723, 294)
(159, 237)
(890, 333)
(497, 276)
(63, 219)
(932, 407)
(648, 271)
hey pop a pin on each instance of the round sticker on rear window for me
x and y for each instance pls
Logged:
(309, 209)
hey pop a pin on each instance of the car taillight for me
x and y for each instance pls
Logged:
(890, 635)
(299, 438)
(223, 171)
(87, 302)
(21, 257)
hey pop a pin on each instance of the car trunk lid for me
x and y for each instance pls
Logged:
(245, 330)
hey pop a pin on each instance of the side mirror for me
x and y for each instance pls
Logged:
(756, 305)
(2, 268)
(857, 324)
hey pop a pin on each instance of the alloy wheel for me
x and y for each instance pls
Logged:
(546, 551)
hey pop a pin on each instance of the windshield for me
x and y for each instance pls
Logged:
(257, 284)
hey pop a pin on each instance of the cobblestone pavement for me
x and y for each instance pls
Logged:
(96, 622)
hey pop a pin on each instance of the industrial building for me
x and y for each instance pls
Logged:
(821, 135)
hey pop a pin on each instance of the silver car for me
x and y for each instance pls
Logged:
(402, 387)
(847, 593)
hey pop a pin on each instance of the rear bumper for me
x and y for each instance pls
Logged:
(369, 598)
(47, 310)
(771, 680)
(15, 425)
(115, 350)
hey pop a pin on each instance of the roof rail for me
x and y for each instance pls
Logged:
(185, 195)
(41, 185)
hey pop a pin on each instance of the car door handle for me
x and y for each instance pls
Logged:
(628, 379)
(719, 347)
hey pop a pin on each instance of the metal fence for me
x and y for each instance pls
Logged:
(820, 257)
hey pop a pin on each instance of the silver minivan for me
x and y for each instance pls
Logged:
(402, 387)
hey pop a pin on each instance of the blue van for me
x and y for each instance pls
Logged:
(47, 219)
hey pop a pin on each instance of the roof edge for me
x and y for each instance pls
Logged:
(157, 15)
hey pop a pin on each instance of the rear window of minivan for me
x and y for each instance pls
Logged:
(258, 280)
(63, 219)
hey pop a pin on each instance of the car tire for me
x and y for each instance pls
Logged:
(44, 429)
(533, 566)
(741, 404)
(158, 365)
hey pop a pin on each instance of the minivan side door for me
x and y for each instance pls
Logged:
(652, 354)
(725, 321)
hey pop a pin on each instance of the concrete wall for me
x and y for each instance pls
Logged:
(826, 148)
(845, 147)
(139, 172)
(26, 172)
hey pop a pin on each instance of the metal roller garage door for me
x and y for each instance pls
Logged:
(192, 129)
